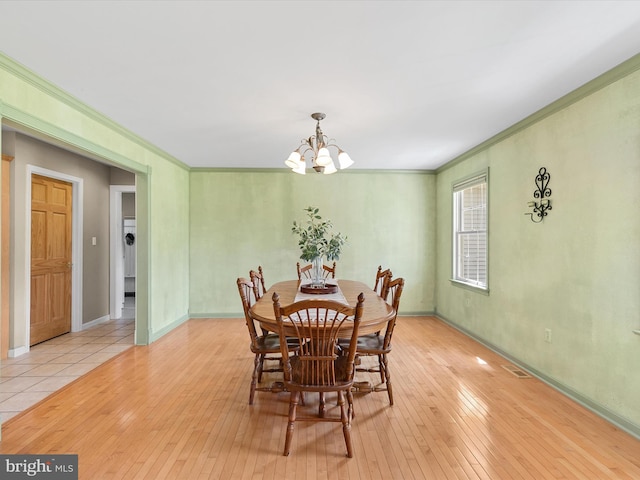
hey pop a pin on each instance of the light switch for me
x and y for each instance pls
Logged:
(94, 241)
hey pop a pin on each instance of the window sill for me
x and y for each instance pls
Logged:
(469, 286)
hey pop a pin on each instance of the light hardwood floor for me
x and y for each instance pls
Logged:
(177, 409)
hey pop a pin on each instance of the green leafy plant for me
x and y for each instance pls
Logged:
(315, 238)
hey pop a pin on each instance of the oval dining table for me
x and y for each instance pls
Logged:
(375, 312)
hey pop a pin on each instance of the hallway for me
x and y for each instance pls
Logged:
(49, 366)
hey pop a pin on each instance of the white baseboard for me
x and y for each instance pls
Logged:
(95, 322)
(16, 352)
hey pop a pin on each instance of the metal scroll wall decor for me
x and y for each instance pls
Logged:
(542, 193)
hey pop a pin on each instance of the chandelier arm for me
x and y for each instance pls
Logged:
(302, 154)
(306, 144)
(329, 144)
(309, 141)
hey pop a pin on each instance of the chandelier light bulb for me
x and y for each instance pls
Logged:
(300, 168)
(324, 158)
(344, 159)
(330, 168)
(293, 160)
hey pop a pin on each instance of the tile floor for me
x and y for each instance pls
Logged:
(49, 366)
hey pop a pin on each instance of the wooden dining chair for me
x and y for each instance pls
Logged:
(264, 347)
(382, 278)
(305, 272)
(376, 344)
(317, 366)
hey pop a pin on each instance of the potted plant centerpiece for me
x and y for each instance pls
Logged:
(317, 242)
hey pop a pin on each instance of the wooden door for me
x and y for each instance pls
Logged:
(50, 258)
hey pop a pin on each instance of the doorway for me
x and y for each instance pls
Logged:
(119, 273)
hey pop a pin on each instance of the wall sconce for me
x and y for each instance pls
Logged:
(542, 191)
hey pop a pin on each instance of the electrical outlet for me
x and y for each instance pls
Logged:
(547, 335)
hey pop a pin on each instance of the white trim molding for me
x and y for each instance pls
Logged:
(97, 321)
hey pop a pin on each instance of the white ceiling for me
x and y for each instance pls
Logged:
(404, 84)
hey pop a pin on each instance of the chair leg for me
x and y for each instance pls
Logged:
(293, 404)
(351, 412)
(387, 374)
(321, 405)
(254, 378)
(381, 367)
(346, 423)
(261, 365)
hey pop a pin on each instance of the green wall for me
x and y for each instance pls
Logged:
(578, 272)
(242, 219)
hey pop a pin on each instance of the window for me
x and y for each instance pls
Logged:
(470, 231)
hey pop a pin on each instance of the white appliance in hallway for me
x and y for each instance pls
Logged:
(129, 250)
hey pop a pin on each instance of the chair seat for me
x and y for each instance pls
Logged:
(371, 343)
(270, 343)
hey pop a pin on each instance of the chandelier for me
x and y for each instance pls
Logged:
(319, 157)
